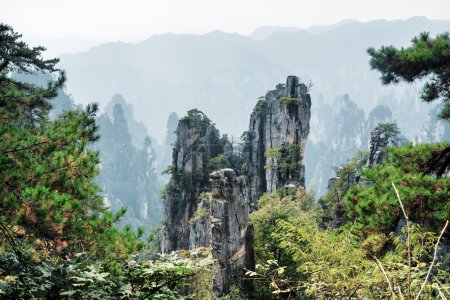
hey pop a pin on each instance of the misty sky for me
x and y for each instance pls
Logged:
(135, 20)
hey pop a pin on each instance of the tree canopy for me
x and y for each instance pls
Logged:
(427, 58)
(57, 238)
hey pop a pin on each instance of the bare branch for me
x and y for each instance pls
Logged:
(440, 286)
(354, 291)
(408, 242)
(434, 259)
(400, 201)
(385, 275)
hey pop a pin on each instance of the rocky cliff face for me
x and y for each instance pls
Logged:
(377, 152)
(434, 130)
(215, 183)
(221, 223)
(280, 119)
(338, 132)
(231, 234)
(197, 142)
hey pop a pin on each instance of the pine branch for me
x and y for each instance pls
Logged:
(25, 148)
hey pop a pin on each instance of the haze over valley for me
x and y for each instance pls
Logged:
(226, 150)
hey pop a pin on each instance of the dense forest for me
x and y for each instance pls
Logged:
(85, 213)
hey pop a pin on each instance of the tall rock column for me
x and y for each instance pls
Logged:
(280, 121)
(197, 141)
(231, 233)
(377, 153)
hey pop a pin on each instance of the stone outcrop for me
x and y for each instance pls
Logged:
(231, 234)
(221, 222)
(281, 118)
(124, 184)
(377, 146)
(197, 141)
(200, 223)
(338, 131)
(208, 204)
(377, 153)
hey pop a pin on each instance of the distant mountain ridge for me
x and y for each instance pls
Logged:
(223, 74)
(264, 32)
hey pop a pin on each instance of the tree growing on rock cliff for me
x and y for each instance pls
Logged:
(390, 132)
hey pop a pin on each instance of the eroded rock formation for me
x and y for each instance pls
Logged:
(434, 130)
(280, 119)
(338, 131)
(197, 142)
(231, 234)
(214, 184)
(377, 152)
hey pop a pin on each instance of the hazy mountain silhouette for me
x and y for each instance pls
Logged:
(223, 74)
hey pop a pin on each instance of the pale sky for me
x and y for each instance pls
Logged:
(135, 20)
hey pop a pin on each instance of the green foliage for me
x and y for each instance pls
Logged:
(203, 206)
(50, 198)
(288, 102)
(345, 177)
(234, 294)
(200, 285)
(169, 170)
(390, 131)
(153, 246)
(23, 102)
(290, 204)
(80, 278)
(330, 259)
(339, 264)
(198, 214)
(273, 207)
(198, 120)
(425, 197)
(364, 259)
(285, 161)
(51, 209)
(218, 162)
(260, 106)
(291, 104)
(246, 139)
(426, 58)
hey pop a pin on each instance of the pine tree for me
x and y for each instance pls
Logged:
(425, 197)
(49, 202)
(26, 102)
(427, 58)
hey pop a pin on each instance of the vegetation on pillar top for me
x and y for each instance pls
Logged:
(197, 119)
(390, 132)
